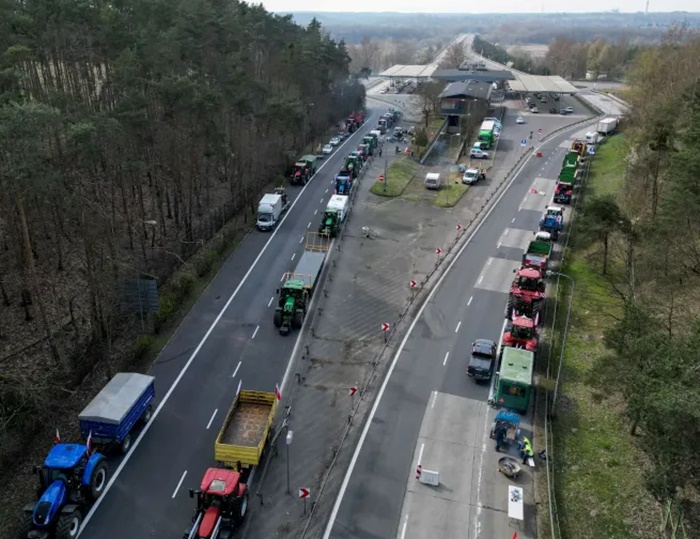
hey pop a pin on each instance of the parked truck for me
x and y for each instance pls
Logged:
(111, 417)
(303, 170)
(538, 251)
(553, 221)
(295, 294)
(71, 479)
(223, 495)
(270, 209)
(334, 216)
(515, 379)
(606, 126)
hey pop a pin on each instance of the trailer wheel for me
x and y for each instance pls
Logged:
(126, 444)
(98, 480)
(69, 525)
(146, 417)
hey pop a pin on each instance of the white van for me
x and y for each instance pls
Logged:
(432, 180)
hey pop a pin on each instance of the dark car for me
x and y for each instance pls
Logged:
(482, 360)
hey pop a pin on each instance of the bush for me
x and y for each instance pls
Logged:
(168, 305)
(205, 261)
(182, 286)
(143, 346)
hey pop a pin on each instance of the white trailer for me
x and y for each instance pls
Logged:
(341, 204)
(606, 126)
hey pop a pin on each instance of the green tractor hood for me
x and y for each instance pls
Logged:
(289, 305)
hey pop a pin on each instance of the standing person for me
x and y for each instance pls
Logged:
(500, 436)
(380, 152)
(526, 450)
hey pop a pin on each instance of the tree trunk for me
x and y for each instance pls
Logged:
(29, 259)
(605, 253)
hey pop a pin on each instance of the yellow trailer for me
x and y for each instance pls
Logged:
(246, 430)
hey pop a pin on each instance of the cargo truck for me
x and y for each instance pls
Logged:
(538, 251)
(111, 417)
(270, 209)
(515, 378)
(334, 216)
(606, 126)
(295, 294)
(223, 495)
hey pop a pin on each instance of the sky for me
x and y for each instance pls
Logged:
(460, 6)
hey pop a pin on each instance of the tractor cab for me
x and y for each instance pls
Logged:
(556, 212)
(366, 149)
(579, 147)
(329, 222)
(358, 156)
(529, 280)
(343, 182)
(522, 333)
(222, 502)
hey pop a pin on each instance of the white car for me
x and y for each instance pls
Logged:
(570, 110)
(478, 154)
(535, 110)
(334, 141)
(473, 175)
(327, 149)
(520, 120)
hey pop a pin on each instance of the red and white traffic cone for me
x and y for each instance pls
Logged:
(419, 471)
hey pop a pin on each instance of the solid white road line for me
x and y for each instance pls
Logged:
(403, 529)
(432, 405)
(271, 300)
(211, 419)
(444, 362)
(236, 371)
(458, 325)
(179, 483)
(196, 351)
(480, 279)
(255, 332)
(387, 377)
(420, 454)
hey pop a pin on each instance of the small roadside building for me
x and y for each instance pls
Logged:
(460, 101)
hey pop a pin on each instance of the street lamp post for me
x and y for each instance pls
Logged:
(288, 440)
(566, 330)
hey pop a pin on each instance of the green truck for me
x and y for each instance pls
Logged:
(538, 251)
(515, 379)
(487, 134)
(295, 294)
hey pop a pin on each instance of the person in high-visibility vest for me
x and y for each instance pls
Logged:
(526, 450)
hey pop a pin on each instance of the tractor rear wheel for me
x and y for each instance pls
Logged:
(68, 525)
(26, 524)
(509, 307)
(242, 507)
(98, 480)
(277, 320)
(298, 319)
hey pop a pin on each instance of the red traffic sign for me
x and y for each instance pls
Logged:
(459, 227)
(304, 493)
(353, 390)
(413, 284)
(381, 177)
(438, 251)
(385, 326)
(539, 130)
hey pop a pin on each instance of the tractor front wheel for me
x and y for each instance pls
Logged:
(98, 480)
(69, 525)
(298, 319)
(277, 320)
(26, 524)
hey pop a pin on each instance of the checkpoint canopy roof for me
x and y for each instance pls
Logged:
(410, 71)
(541, 84)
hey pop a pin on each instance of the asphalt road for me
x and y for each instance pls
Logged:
(227, 337)
(468, 304)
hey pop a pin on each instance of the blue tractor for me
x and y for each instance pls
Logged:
(70, 480)
(553, 221)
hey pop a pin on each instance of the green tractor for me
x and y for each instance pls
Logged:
(330, 224)
(293, 301)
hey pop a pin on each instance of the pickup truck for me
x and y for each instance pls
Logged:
(538, 251)
(111, 416)
(482, 360)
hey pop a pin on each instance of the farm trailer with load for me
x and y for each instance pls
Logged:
(222, 498)
(538, 251)
(515, 379)
(71, 479)
(298, 288)
(565, 183)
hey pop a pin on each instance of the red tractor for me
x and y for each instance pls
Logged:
(521, 333)
(222, 502)
(526, 296)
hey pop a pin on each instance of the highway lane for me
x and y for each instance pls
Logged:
(217, 346)
(468, 304)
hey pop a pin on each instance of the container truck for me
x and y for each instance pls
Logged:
(295, 294)
(606, 126)
(334, 216)
(111, 417)
(223, 495)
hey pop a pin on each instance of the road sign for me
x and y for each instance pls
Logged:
(523, 142)
(438, 251)
(539, 130)
(429, 477)
(304, 493)
(459, 227)
(381, 177)
(353, 390)
(385, 326)
(413, 284)
(591, 150)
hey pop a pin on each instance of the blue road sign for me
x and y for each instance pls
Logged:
(523, 142)
(591, 150)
